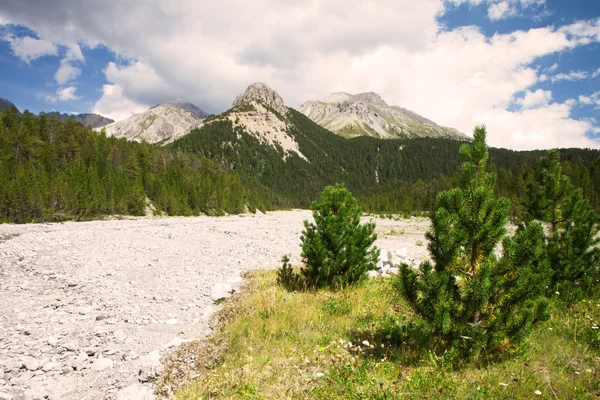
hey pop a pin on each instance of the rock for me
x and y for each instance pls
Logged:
(36, 394)
(150, 364)
(401, 253)
(120, 335)
(172, 321)
(261, 92)
(393, 259)
(383, 257)
(385, 275)
(136, 392)
(32, 365)
(101, 364)
(379, 265)
(50, 366)
(177, 342)
(5, 396)
(393, 271)
(52, 341)
(372, 274)
(221, 291)
(81, 358)
(385, 269)
(69, 346)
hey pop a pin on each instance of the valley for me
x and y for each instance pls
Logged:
(89, 308)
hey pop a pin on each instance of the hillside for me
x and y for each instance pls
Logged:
(162, 123)
(367, 114)
(296, 158)
(5, 104)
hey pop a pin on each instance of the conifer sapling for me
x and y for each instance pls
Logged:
(467, 296)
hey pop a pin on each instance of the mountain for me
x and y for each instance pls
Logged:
(261, 112)
(294, 157)
(367, 114)
(91, 119)
(162, 123)
(4, 104)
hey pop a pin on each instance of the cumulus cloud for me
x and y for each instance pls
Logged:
(66, 73)
(593, 99)
(115, 105)
(502, 9)
(28, 48)
(571, 76)
(63, 94)
(208, 53)
(539, 98)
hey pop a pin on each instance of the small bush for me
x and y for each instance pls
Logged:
(336, 249)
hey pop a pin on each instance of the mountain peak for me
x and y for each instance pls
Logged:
(260, 91)
(369, 98)
(185, 106)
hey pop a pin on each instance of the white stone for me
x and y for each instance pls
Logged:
(69, 346)
(136, 392)
(32, 365)
(50, 366)
(385, 275)
(120, 335)
(177, 342)
(401, 253)
(221, 291)
(101, 364)
(372, 274)
(52, 340)
(393, 271)
(5, 396)
(172, 321)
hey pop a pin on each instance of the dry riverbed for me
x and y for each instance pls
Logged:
(88, 308)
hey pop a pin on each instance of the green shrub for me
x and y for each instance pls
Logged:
(572, 243)
(336, 249)
(467, 297)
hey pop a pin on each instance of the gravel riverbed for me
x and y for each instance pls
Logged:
(88, 308)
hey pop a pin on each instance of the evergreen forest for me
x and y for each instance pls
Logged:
(52, 170)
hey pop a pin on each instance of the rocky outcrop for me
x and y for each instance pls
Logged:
(160, 124)
(368, 114)
(262, 93)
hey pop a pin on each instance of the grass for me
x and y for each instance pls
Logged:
(274, 344)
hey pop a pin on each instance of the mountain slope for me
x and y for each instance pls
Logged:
(367, 114)
(91, 119)
(162, 123)
(5, 104)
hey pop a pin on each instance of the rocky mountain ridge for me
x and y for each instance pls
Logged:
(261, 112)
(88, 119)
(162, 123)
(5, 104)
(367, 114)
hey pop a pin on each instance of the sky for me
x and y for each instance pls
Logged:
(527, 69)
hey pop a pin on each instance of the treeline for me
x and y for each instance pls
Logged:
(401, 175)
(52, 170)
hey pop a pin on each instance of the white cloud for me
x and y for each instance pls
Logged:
(67, 93)
(552, 68)
(115, 105)
(537, 99)
(28, 48)
(501, 10)
(63, 94)
(571, 76)
(66, 73)
(208, 53)
(593, 99)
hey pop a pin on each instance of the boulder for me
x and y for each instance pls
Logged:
(101, 364)
(136, 392)
(372, 274)
(221, 291)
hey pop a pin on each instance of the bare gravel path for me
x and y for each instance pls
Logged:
(86, 306)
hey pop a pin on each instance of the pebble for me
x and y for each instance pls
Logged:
(53, 341)
(32, 365)
(69, 346)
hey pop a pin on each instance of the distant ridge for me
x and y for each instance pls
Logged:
(367, 114)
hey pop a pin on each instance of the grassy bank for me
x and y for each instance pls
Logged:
(273, 344)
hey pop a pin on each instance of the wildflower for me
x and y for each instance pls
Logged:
(319, 374)
(365, 342)
(538, 392)
(557, 292)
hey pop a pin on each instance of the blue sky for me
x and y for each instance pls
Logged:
(528, 69)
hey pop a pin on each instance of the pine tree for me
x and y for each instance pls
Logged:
(466, 295)
(572, 243)
(336, 249)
